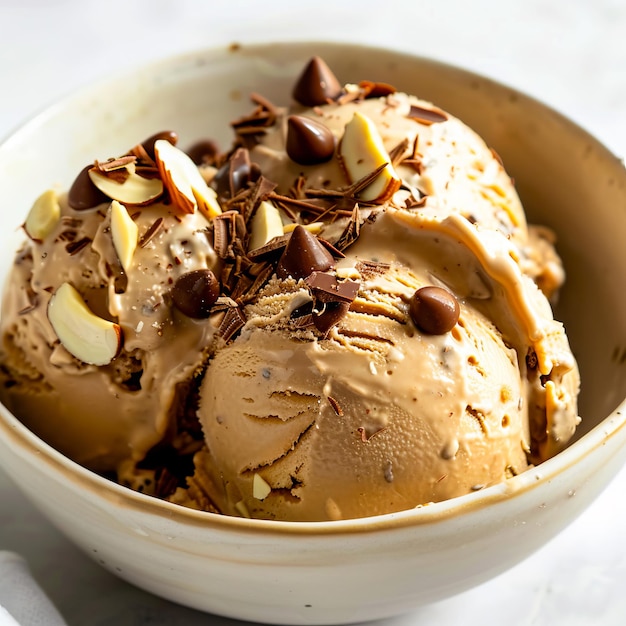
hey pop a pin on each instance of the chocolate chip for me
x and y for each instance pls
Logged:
(317, 84)
(329, 315)
(203, 151)
(168, 135)
(195, 292)
(83, 194)
(303, 255)
(434, 310)
(233, 175)
(308, 141)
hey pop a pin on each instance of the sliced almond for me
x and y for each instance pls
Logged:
(265, 225)
(313, 227)
(131, 189)
(260, 487)
(43, 216)
(124, 233)
(184, 182)
(362, 152)
(83, 334)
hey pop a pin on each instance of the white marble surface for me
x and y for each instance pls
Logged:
(570, 54)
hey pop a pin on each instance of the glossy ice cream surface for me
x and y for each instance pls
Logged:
(328, 383)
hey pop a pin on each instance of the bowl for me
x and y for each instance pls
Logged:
(345, 571)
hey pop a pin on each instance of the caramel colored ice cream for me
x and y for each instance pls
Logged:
(103, 414)
(343, 315)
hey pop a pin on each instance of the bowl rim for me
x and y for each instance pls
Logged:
(28, 445)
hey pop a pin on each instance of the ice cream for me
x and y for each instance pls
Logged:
(351, 318)
(97, 360)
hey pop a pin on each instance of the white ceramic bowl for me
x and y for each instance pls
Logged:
(370, 568)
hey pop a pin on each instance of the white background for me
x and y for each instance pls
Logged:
(569, 53)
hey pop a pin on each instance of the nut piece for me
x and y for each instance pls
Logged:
(43, 216)
(86, 336)
(124, 233)
(134, 189)
(265, 225)
(362, 152)
(184, 182)
(260, 487)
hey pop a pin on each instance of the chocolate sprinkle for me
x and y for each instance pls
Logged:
(74, 247)
(151, 232)
(426, 116)
(335, 406)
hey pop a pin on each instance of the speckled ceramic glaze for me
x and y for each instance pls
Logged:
(339, 572)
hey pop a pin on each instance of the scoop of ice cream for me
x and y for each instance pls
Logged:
(122, 264)
(377, 417)
(354, 406)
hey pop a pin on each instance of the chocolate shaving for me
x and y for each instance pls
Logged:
(426, 116)
(260, 192)
(369, 269)
(261, 278)
(111, 165)
(351, 190)
(222, 304)
(396, 153)
(147, 237)
(147, 171)
(142, 155)
(241, 287)
(222, 235)
(327, 288)
(300, 206)
(32, 302)
(273, 245)
(67, 235)
(262, 117)
(74, 247)
(232, 323)
(351, 232)
(371, 89)
(415, 203)
(335, 406)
